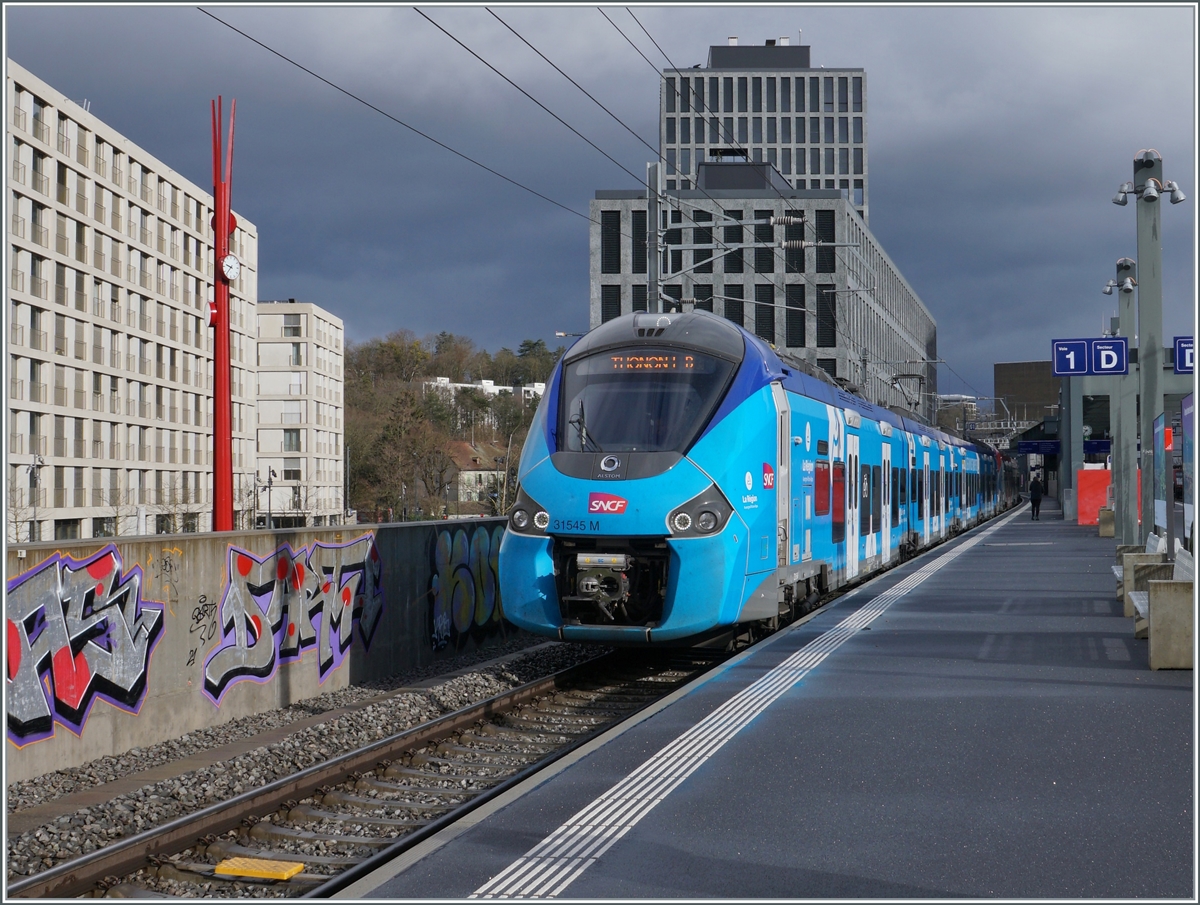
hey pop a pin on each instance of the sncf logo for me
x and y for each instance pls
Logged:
(768, 477)
(606, 503)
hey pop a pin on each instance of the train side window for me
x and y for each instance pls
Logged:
(864, 504)
(839, 502)
(897, 492)
(876, 498)
(920, 494)
(821, 488)
(822, 448)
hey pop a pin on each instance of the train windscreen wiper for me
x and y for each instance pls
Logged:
(580, 424)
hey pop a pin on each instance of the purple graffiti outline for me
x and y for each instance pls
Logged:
(92, 694)
(338, 652)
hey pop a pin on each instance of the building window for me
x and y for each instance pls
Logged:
(829, 130)
(843, 91)
(670, 163)
(843, 130)
(742, 130)
(669, 92)
(638, 301)
(826, 318)
(844, 161)
(858, 192)
(814, 130)
(704, 295)
(785, 130)
(733, 236)
(727, 95)
(826, 262)
(828, 94)
(297, 354)
(829, 366)
(757, 130)
(610, 241)
(291, 439)
(741, 104)
(829, 163)
(764, 258)
(685, 161)
(794, 257)
(764, 312)
(66, 529)
(772, 134)
(800, 164)
(814, 94)
(676, 294)
(104, 527)
(685, 130)
(164, 524)
(639, 242)
(814, 161)
(714, 130)
(728, 130)
(785, 95)
(291, 470)
(794, 327)
(858, 130)
(858, 94)
(702, 257)
(785, 165)
(733, 303)
(671, 130)
(685, 85)
(610, 303)
(699, 91)
(291, 325)
(756, 98)
(858, 161)
(773, 157)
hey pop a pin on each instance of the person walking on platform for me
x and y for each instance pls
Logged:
(1035, 498)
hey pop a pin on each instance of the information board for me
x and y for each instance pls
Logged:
(1100, 355)
(1185, 355)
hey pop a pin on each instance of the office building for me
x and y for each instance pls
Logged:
(299, 481)
(768, 101)
(110, 354)
(844, 308)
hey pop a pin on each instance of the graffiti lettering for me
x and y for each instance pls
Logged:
(274, 609)
(76, 631)
(465, 588)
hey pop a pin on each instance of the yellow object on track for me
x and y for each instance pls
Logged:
(259, 867)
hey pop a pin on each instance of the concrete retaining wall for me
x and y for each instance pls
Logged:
(122, 645)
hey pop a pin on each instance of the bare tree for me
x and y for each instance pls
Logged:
(19, 511)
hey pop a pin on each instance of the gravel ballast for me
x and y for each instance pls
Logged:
(94, 827)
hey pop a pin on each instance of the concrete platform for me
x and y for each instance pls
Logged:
(978, 723)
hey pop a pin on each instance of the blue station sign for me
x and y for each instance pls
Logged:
(1039, 447)
(1185, 355)
(1103, 355)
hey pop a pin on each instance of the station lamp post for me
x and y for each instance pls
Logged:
(1147, 185)
(1124, 452)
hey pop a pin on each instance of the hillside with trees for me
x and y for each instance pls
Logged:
(398, 429)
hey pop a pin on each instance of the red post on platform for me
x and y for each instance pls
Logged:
(223, 225)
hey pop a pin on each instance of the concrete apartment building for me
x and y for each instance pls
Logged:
(846, 310)
(299, 416)
(810, 124)
(110, 354)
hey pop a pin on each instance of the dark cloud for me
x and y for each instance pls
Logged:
(997, 137)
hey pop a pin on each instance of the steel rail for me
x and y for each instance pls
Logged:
(80, 875)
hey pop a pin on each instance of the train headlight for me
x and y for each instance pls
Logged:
(704, 514)
(520, 519)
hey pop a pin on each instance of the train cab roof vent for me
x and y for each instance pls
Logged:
(652, 331)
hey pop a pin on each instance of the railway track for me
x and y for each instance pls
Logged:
(316, 831)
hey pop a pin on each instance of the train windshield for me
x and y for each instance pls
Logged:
(640, 399)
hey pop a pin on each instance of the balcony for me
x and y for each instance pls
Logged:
(98, 355)
(114, 404)
(37, 444)
(144, 409)
(81, 153)
(77, 447)
(81, 349)
(161, 328)
(60, 497)
(18, 226)
(41, 131)
(130, 363)
(60, 297)
(175, 252)
(144, 366)
(146, 192)
(62, 194)
(162, 202)
(174, 327)
(16, 443)
(97, 402)
(60, 344)
(159, 411)
(16, 388)
(171, 455)
(81, 202)
(114, 313)
(60, 447)
(114, 357)
(160, 286)
(144, 279)
(80, 252)
(18, 118)
(80, 402)
(114, 450)
(18, 171)
(144, 322)
(99, 212)
(62, 244)
(173, 414)
(97, 492)
(100, 166)
(40, 235)
(37, 392)
(98, 260)
(162, 245)
(173, 373)
(116, 219)
(174, 210)
(16, 280)
(64, 144)
(145, 235)
(16, 335)
(118, 175)
(80, 300)
(158, 454)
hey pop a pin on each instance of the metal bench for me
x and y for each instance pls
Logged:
(1164, 613)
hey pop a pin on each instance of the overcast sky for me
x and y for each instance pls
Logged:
(997, 139)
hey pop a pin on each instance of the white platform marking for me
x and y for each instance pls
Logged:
(553, 864)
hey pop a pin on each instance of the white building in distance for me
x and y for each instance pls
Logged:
(299, 416)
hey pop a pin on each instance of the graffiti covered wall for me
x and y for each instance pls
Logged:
(126, 644)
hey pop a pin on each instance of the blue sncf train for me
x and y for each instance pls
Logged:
(679, 478)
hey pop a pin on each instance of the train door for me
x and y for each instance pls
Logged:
(924, 490)
(888, 490)
(783, 471)
(852, 502)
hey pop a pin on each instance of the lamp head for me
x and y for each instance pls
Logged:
(1127, 285)
(1119, 198)
(1150, 192)
(1176, 195)
(1107, 290)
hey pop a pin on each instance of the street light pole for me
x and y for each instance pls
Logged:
(35, 472)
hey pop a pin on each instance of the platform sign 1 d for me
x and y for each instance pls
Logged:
(1070, 357)
(1110, 355)
(1185, 355)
